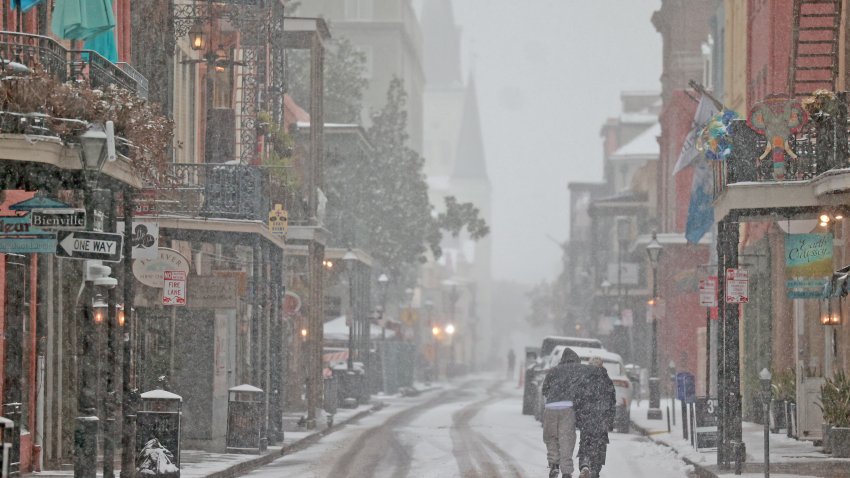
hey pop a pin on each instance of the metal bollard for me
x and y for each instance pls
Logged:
(738, 454)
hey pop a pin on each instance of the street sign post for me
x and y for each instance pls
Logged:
(89, 245)
(59, 218)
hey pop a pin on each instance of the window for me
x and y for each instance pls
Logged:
(358, 9)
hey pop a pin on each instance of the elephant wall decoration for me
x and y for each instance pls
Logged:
(777, 117)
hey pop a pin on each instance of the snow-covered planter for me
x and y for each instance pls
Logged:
(835, 405)
(37, 103)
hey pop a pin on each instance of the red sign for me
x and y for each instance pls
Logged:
(737, 286)
(174, 288)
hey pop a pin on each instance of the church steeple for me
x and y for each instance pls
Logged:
(442, 44)
(470, 162)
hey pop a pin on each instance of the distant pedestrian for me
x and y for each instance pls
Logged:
(511, 363)
(594, 417)
(561, 388)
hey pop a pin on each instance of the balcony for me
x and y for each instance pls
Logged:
(226, 191)
(37, 51)
(819, 175)
(821, 146)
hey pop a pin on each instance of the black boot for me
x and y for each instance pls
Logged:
(554, 470)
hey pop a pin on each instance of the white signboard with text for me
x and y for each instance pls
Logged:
(737, 286)
(174, 288)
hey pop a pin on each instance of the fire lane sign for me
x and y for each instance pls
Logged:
(89, 245)
(174, 288)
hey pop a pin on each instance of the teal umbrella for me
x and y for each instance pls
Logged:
(82, 19)
(104, 44)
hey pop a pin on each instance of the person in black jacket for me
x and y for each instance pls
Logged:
(594, 417)
(561, 388)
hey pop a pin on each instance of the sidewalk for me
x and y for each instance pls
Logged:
(788, 457)
(203, 464)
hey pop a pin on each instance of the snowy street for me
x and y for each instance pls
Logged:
(469, 429)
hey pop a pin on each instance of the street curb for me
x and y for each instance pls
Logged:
(700, 470)
(262, 460)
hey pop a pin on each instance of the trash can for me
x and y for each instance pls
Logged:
(7, 427)
(159, 418)
(245, 432)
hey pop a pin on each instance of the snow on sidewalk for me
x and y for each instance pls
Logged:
(784, 451)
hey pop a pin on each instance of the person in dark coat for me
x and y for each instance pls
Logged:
(561, 388)
(594, 417)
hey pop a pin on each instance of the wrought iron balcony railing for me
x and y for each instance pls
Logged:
(40, 51)
(228, 191)
(820, 146)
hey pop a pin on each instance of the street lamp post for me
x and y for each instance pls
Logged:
(350, 259)
(92, 158)
(653, 250)
(383, 284)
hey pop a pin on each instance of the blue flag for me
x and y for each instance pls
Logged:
(25, 5)
(700, 208)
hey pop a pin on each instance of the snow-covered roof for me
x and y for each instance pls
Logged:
(644, 146)
(631, 118)
(161, 395)
(337, 329)
(245, 388)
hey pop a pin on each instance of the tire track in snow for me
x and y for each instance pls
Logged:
(470, 447)
(383, 442)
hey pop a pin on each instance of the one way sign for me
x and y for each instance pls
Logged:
(89, 245)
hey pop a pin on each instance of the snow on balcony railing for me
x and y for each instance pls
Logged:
(820, 146)
(229, 191)
(40, 51)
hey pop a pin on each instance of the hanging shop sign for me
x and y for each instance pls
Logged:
(174, 288)
(737, 286)
(211, 292)
(278, 220)
(808, 265)
(18, 236)
(151, 272)
(708, 292)
(144, 239)
(291, 304)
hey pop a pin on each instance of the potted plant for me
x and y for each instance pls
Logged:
(835, 405)
(784, 392)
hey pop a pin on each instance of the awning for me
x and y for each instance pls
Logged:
(25, 5)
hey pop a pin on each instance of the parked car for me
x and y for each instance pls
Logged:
(553, 341)
(612, 362)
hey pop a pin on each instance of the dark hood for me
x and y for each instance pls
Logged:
(569, 356)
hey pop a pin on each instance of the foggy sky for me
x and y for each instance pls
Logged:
(549, 72)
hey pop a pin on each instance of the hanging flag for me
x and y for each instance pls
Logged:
(705, 111)
(700, 208)
(25, 5)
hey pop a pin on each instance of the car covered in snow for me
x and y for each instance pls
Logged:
(612, 362)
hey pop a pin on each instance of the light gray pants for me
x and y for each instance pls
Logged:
(559, 435)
